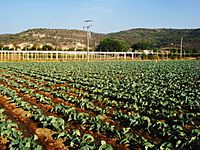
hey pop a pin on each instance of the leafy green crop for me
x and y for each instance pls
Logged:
(144, 105)
(10, 130)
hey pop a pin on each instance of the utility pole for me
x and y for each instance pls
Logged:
(181, 48)
(88, 36)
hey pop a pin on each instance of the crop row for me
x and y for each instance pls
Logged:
(146, 99)
(54, 123)
(93, 123)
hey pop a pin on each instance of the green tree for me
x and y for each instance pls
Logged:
(6, 48)
(35, 46)
(112, 45)
(16, 47)
(142, 46)
(47, 47)
(71, 49)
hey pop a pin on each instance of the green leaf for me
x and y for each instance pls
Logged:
(178, 143)
(166, 146)
(28, 145)
(105, 146)
(88, 138)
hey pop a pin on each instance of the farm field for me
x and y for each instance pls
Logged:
(100, 105)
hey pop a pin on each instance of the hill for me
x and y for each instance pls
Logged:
(161, 37)
(65, 39)
(57, 38)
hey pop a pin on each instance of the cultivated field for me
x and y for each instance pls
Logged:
(100, 105)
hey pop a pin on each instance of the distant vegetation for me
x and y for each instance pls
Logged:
(160, 38)
(112, 45)
(61, 39)
(142, 46)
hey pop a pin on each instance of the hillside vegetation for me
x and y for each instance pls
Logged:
(161, 37)
(65, 39)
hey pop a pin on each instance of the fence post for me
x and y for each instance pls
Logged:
(57, 55)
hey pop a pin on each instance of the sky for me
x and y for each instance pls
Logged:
(107, 15)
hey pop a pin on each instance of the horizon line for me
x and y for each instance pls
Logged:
(152, 28)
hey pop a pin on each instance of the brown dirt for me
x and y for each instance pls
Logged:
(46, 108)
(3, 142)
(12, 112)
(29, 127)
(46, 138)
(104, 118)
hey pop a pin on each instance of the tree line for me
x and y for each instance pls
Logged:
(115, 45)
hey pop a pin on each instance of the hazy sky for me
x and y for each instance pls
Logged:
(108, 15)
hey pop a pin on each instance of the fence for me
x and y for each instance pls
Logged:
(6, 55)
(64, 55)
